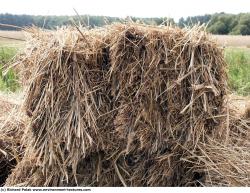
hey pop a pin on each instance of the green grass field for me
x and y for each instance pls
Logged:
(238, 60)
(9, 80)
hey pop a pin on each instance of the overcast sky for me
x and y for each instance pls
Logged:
(123, 8)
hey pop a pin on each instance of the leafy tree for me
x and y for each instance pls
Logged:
(219, 28)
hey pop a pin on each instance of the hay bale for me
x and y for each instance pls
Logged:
(225, 164)
(121, 105)
(11, 131)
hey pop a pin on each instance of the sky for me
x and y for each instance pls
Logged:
(122, 8)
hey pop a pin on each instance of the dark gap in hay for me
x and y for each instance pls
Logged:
(6, 165)
(11, 146)
(11, 131)
(247, 113)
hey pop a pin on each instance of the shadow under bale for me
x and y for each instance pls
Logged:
(6, 165)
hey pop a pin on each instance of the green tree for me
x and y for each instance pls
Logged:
(218, 28)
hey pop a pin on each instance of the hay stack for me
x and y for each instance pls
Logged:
(225, 163)
(119, 106)
(11, 131)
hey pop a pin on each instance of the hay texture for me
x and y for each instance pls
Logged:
(11, 131)
(122, 105)
(225, 161)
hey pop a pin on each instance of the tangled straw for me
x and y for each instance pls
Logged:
(122, 105)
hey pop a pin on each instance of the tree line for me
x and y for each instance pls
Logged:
(218, 23)
(221, 23)
(51, 22)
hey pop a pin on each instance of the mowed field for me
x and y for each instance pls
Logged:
(11, 38)
(232, 40)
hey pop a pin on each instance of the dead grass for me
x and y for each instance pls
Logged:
(11, 38)
(232, 40)
(240, 104)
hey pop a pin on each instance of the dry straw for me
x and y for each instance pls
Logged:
(11, 131)
(124, 105)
